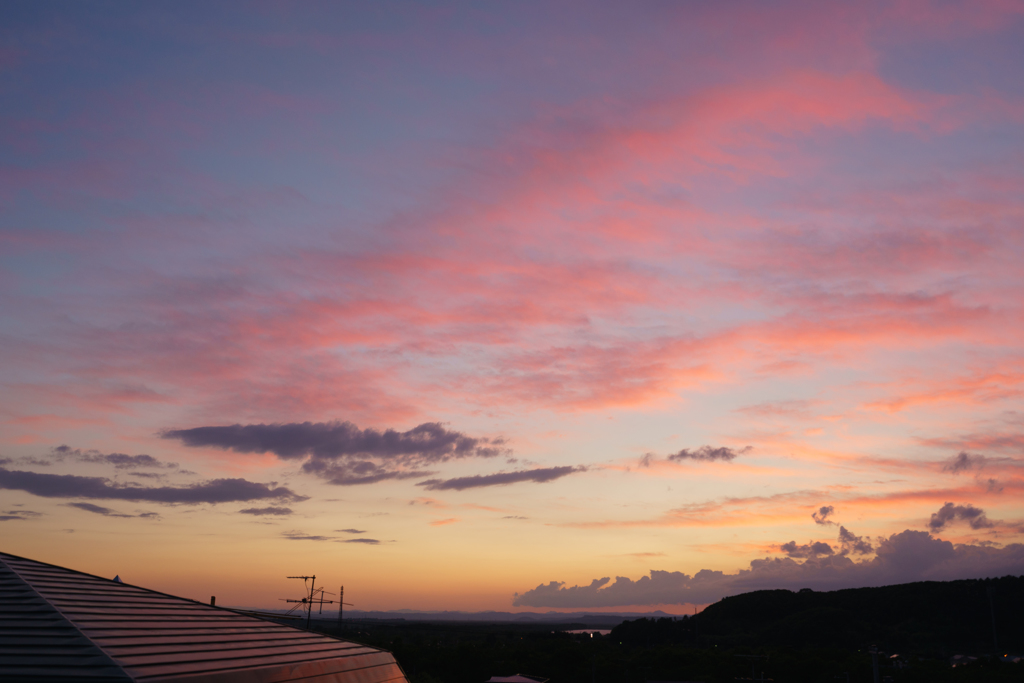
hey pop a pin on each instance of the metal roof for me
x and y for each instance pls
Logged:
(57, 624)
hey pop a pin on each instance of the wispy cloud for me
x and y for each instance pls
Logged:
(120, 461)
(1007, 441)
(746, 511)
(18, 515)
(964, 461)
(429, 502)
(799, 410)
(107, 512)
(540, 475)
(97, 509)
(300, 536)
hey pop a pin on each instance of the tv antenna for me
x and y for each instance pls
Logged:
(313, 596)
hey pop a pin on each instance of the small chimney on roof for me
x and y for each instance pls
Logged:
(213, 601)
(117, 579)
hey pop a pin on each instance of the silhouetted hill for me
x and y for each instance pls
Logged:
(784, 636)
(927, 617)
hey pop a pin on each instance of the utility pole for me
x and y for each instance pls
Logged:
(991, 590)
(753, 664)
(874, 662)
(341, 604)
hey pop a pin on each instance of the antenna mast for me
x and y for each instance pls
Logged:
(341, 604)
(307, 600)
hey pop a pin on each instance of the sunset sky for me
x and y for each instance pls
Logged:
(513, 306)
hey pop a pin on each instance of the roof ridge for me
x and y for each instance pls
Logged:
(236, 612)
(112, 581)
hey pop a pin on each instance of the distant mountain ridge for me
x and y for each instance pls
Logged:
(560, 617)
(587, 619)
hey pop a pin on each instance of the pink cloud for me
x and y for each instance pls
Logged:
(797, 506)
(981, 389)
(534, 268)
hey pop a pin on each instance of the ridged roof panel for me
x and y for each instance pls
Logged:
(144, 635)
(38, 644)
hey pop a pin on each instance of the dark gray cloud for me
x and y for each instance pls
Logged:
(539, 475)
(38, 462)
(73, 486)
(107, 512)
(708, 454)
(273, 511)
(121, 461)
(852, 544)
(822, 515)
(354, 473)
(964, 462)
(299, 536)
(342, 453)
(16, 515)
(331, 440)
(902, 558)
(811, 549)
(351, 531)
(949, 513)
(97, 509)
(848, 543)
